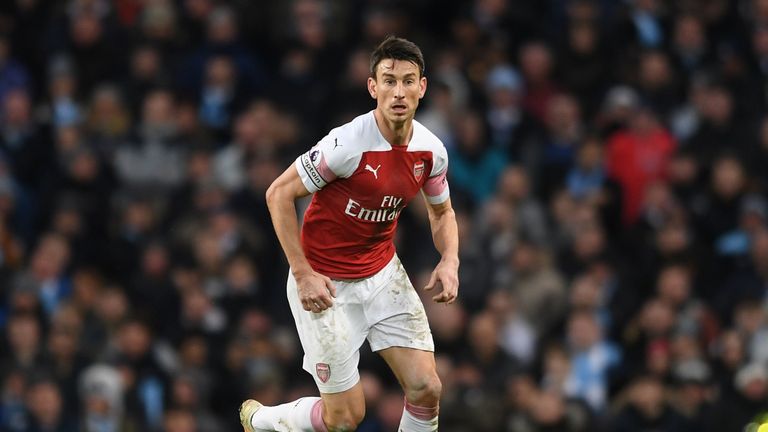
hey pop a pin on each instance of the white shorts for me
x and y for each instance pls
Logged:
(383, 308)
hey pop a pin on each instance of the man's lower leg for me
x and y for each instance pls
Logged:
(304, 415)
(418, 419)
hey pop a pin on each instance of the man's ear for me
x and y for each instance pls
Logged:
(372, 87)
(422, 87)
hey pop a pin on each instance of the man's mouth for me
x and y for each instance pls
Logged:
(399, 107)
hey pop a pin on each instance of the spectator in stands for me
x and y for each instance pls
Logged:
(476, 166)
(154, 158)
(646, 408)
(22, 143)
(722, 129)
(102, 393)
(24, 340)
(564, 131)
(107, 120)
(512, 128)
(13, 75)
(47, 409)
(637, 157)
(592, 361)
(537, 286)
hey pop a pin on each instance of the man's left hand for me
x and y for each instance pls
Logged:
(445, 276)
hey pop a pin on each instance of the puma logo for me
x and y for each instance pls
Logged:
(374, 171)
(335, 143)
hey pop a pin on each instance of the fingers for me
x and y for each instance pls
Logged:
(309, 306)
(432, 281)
(453, 292)
(331, 287)
(439, 298)
(450, 289)
(317, 302)
(317, 297)
(317, 305)
(453, 298)
(445, 297)
(324, 299)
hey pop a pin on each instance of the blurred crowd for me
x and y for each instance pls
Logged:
(608, 166)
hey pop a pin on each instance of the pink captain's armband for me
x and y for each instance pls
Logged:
(314, 170)
(436, 189)
(325, 171)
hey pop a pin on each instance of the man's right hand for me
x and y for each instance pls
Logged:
(316, 292)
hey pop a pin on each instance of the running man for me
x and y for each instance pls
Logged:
(346, 282)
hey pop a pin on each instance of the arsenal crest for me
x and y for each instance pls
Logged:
(323, 371)
(418, 170)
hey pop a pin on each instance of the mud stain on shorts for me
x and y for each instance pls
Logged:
(333, 335)
(418, 324)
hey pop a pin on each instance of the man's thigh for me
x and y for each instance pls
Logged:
(331, 339)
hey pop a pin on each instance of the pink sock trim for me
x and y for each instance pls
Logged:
(421, 413)
(316, 417)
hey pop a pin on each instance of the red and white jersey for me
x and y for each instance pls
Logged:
(361, 184)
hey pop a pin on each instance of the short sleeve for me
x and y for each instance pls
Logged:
(436, 186)
(328, 160)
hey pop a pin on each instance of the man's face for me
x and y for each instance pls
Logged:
(397, 88)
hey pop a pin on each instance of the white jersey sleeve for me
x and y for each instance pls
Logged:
(326, 161)
(436, 186)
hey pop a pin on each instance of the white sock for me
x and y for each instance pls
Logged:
(418, 419)
(291, 416)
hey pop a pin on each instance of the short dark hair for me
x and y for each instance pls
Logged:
(397, 49)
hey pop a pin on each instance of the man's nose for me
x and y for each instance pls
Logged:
(399, 91)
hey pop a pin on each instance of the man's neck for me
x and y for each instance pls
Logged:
(396, 133)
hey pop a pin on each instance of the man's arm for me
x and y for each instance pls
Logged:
(315, 290)
(445, 234)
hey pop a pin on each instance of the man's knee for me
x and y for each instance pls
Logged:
(425, 391)
(344, 419)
